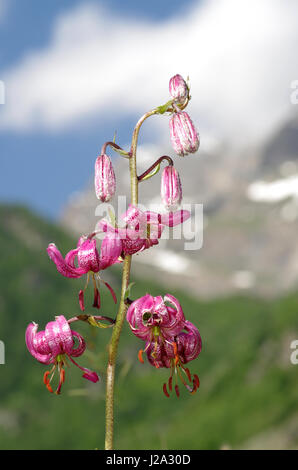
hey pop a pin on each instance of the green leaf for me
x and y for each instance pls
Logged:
(153, 172)
(128, 290)
(93, 322)
(164, 107)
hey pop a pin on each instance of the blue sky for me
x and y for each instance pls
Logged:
(40, 168)
(75, 71)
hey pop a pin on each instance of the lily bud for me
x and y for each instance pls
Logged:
(184, 136)
(105, 181)
(171, 190)
(178, 88)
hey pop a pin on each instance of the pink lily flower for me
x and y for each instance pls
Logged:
(143, 228)
(54, 346)
(150, 317)
(185, 347)
(88, 261)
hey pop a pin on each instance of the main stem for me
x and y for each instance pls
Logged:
(113, 346)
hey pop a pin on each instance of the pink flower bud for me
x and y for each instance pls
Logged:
(105, 181)
(178, 88)
(184, 137)
(171, 190)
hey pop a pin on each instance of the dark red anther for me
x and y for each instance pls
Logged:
(165, 391)
(81, 300)
(197, 380)
(177, 391)
(171, 383)
(96, 301)
(188, 373)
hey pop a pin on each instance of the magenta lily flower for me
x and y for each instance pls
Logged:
(143, 228)
(150, 317)
(55, 345)
(185, 347)
(88, 261)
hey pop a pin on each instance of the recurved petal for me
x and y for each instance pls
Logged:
(78, 351)
(111, 248)
(189, 343)
(135, 316)
(175, 218)
(32, 345)
(59, 336)
(88, 257)
(136, 218)
(62, 266)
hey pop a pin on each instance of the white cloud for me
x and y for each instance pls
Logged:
(275, 191)
(240, 55)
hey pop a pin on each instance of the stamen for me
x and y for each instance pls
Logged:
(171, 383)
(81, 300)
(197, 380)
(188, 373)
(140, 357)
(177, 391)
(47, 382)
(165, 391)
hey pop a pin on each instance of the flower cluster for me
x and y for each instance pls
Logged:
(170, 340)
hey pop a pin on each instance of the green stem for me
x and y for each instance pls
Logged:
(113, 346)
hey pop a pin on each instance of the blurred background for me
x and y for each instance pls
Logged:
(77, 72)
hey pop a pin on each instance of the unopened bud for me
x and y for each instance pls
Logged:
(171, 190)
(184, 136)
(105, 181)
(178, 88)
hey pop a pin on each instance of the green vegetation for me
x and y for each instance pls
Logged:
(248, 385)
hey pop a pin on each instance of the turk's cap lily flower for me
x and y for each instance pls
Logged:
(185, 347)
(55, 345)
(178, 88)
(88, 261)
(143, 228)
(87, 256)
(184, 136)
(104, 180)
(150, 317)
(171, 189)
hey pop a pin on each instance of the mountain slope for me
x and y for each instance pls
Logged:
(248, 385)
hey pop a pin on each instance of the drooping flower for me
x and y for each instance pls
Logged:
(104, 180)
(150, 317)
(171, 189)
(185, 347)
(184, 136)
(55, 345)
(143, 228)
(178, 88)
(88, 261)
